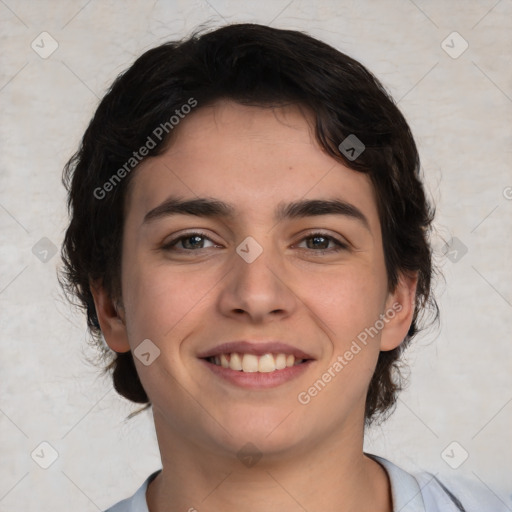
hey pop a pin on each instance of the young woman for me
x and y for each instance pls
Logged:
(249, 235)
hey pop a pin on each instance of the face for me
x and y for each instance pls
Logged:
(253, 263)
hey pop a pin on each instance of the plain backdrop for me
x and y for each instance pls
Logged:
(447, 64)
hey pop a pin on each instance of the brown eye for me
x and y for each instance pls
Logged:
(319, 242)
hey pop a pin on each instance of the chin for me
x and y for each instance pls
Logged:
(270, 429)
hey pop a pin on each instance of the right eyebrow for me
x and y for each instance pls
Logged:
(201, 207)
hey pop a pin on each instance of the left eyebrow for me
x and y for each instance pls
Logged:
(206, 207)
(316, 207)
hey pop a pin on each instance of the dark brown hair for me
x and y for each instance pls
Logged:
(256, 65)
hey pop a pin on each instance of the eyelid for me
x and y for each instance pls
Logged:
(177, 238)
(342, 244)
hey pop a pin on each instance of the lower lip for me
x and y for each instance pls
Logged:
(258, 380)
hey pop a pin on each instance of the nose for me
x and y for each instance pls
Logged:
(257, 290)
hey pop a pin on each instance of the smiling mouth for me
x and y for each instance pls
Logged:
(251, 363)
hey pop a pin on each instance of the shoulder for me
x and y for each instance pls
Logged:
(469, 495)
(137, 502)
(425, 492)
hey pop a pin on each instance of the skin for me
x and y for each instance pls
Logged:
(185, 302)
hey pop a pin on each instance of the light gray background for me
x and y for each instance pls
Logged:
(460, 112)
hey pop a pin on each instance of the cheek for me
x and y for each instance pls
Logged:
(347, 305)
(158, 299)
(165, 307)
(347, 299)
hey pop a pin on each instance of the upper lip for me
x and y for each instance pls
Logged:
(256, 348)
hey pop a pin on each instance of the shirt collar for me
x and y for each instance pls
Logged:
(405, 490)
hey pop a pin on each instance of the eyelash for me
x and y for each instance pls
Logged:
(340, 246)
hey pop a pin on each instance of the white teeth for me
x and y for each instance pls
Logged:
(251, 363)
(280, 361)
(235, 362)
(266, 363)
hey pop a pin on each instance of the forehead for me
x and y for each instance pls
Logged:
(253, 157)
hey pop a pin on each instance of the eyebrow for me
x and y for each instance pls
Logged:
(214, 208)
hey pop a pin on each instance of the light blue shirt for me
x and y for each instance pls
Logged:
(422, 492)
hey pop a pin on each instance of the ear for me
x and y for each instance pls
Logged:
(110, 317)
(400, 306)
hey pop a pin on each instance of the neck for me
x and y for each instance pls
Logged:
(332, 475)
